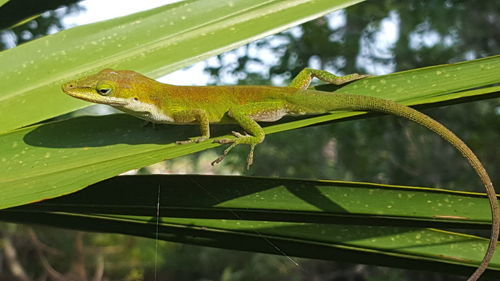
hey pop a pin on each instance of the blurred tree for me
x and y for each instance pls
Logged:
(48, 22)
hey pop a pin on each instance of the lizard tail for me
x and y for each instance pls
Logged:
(333, 101)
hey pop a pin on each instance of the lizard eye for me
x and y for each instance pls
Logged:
(104, 89)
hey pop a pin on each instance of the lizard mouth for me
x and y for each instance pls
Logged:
(116, 103)
(88, 94)
(102, 100)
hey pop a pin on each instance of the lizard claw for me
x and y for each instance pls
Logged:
(240, 138)
(147, 124)
(223, 141)
(236, 134)
(195, 140)
(250, 157)
(218, 160)
(226, 151)
(183, 142)
(239, 135)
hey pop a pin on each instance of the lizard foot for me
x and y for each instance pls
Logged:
(236, 134)
(195, 140)
(226, 151)
(240, 138)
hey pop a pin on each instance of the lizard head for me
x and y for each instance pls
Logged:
(111, 87)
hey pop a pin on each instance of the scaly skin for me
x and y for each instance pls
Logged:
(143, 97)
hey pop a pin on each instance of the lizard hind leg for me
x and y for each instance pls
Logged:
(240, 139)
(256, 137)
(234, 143)
(244, 116)
(304, 78)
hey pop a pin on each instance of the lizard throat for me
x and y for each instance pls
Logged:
(146, 111)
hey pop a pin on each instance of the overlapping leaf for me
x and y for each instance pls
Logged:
(345, 221)
(153, 42)
(53, 159)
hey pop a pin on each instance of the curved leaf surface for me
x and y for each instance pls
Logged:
(49, 160)
(153, 42)
(345, 221)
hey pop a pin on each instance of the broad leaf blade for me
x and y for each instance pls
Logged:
(290, 200)
(344, 221)
(50, 160)
(3, 2)
(153, 42)
(424, 249)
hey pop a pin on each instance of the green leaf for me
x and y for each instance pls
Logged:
(3, 2)
(344, 221)
(15, 13)
(49, 160)
(309, 201)
(153, 42)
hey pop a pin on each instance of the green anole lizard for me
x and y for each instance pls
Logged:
(148, 99)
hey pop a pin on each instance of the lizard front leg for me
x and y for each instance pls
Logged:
(304, 78)
(198, 115)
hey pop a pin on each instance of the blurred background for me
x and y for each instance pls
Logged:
(374, 37)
